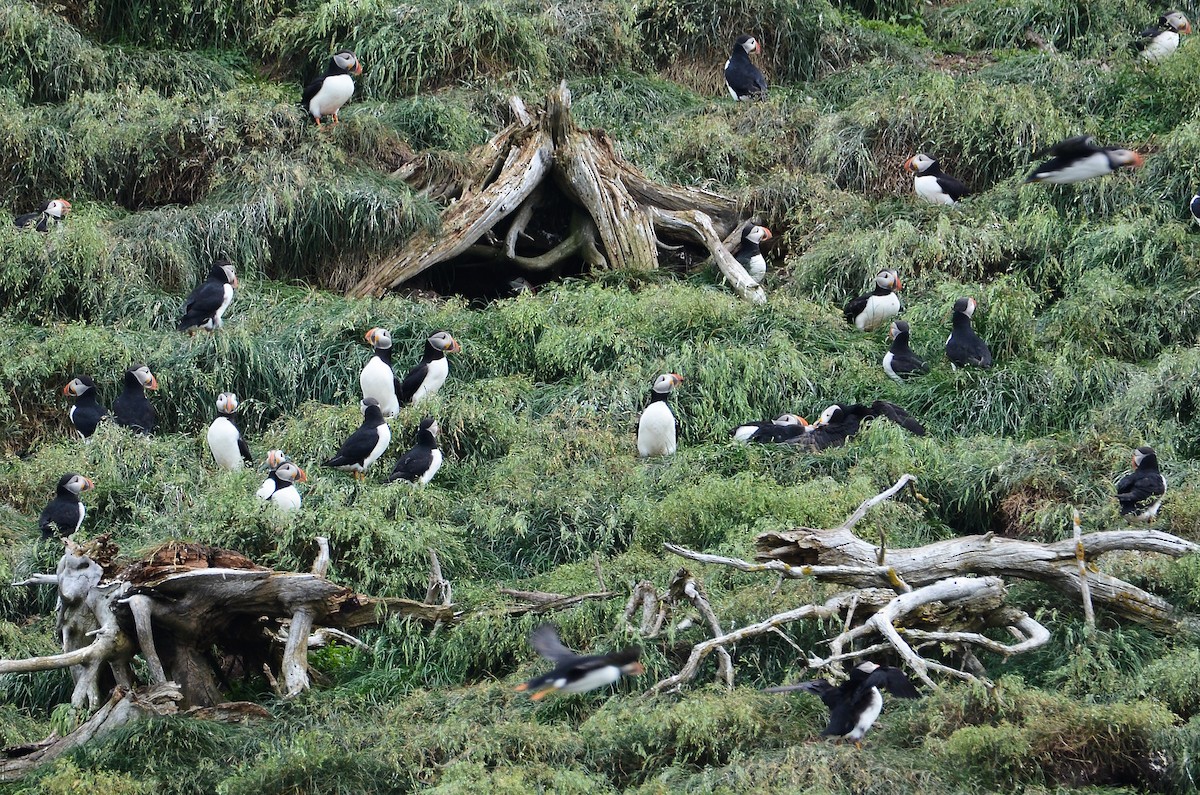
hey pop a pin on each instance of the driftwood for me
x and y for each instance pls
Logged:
(615, 216)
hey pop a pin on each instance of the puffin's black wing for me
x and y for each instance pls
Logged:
(951, 186)
(779, 434)
(29, 219)
(892, 679)
(411, 383)
(410, 465)
(744, 77)
(545, 642)
(310, 91)
(356, 448)
(882, 408)
(59, 517)
(244, 449)
(1146, 36)
(1138, 487)
(202, 304)
(1072, 148)
(856, 307)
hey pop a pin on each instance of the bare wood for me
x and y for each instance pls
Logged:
(139, 606)
(321, 565)
(1085, 590)
(886, 575)
(685, 586)
(542, 607)
(861, 511)
(697, 225)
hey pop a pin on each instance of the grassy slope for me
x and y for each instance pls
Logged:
(173, 133)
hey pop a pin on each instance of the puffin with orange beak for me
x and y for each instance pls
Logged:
(1080, 158)
(131, 408)
(279, 488)
(52, 211)
(207, 303)
(326, 95)
(87, 412)
(784, 428)
(963, 346)
(869, 312)
(576, 673)
(931, 183)
(427, 377)
(743, 79)
(64, 514)
(1140, 492)
(377, 378)
(900, 362)
(749, 254)
(1159, 41)
(225, 441)
(658, 429)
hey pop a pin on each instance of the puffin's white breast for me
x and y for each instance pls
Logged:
(869, 716)
(434, 465)
(656, 430)
(927, 188)
(378, 381)
(1161, 46)
(223, 438)
(334, 92)
(1094, 165)
(435, 375)
(385, 438)
(287, 498)
(266, 489)
(225, 302)
(879, 308)
(593, 679)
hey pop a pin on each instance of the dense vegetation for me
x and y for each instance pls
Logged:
(171, 126)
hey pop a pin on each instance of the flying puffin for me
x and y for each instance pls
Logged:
(900, 362)
(427, 377)
(1158, 41)
(326, 95)
(1079, 158)
(780, 429)
(377, 379)
(422, 462)
(225, 441)
(87, 412)
(131, 408)
(869, 312)
(1194, 208)
(743, 79)
(657, 427)
(963, 346)
(208, 302)
(855, 704)
(366, 444)
(1141, 491)
(575, 673)
(750, 255)
(280, 486)
(52, 211)
(931, 183)
(64, 514)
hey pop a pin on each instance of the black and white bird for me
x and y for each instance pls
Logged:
(274, 460)
(423, 461)
(869, 312)
(279, 488)
(1194, 208)
(427, 377)
(64, 514)
(840, 422)
(366, 444)
(963, 346)
(781, 429)
(131, 408)
(900, 362)
(1140, 492)
(377, 378)
(931, 183)
(750, 254)
(657, 427)
(87, 412)
(49, 213)
(1079, 158)
(855, 704)
(225, 440)
(743, 79)
(206, 304)
(575, 673)
(326, 95)
(1160, 41)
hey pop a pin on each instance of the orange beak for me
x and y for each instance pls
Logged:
(1187, 28)
(358, 68)
(153, 382)
(302, 477)
(636, 668)
(1137, 160)
(766, 233)
(898, 284)
(370, 336)
(454, 346)
(235, 281)
(758, 47)
(908, 166)
(90, 485)
(67, 204)
(678, 378)
(67, 390)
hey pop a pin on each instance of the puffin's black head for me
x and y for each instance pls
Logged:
(919, 164)
(57, 208)
(372, 414)
(628, 660)
(75, 483)
(888, 280)
(444, 342)
(1145, 458)
(666, 382)
(755, 233)
(222, 271)
(748, 44)
(290, 473)
(139, 374)
(1176, 21)
(431, 425)
(78, 385)
(898, 327)
(227, 403)
(965, 306)
(379, 337)
(347, 62)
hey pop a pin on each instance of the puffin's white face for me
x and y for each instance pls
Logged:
(275, 458)
(868, 667)
(348, 61)
(444, 342)
(790, 419)
(666, 382)
(918, 163)
(146, 377)
(58, 208)
(893, 331)
(827, 415)
(227, 403)
(230, 276)
(76, 387)
(379, 337)
(751, 45)
(1177, 22)
(888, 280)
(1126, 157)
(965, 305)
(79, 484)
(290, 473)
(758, 234)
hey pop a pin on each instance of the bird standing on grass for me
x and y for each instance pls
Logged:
(750, 254)
(365, 445)
(423, 461)
(279, 488)
(326, 95)
(743, 79)
(131, 408)
(657, 427)
(87, 412)
(206, 305)
(1140, 492)
(377, 378)
(225, 440)
(900, 362)
(427, 377)
(1080, 158)
(574, 673)
(49, 213)
(1160, 41)
(931, 183)
(963, 346)
(64, 514)
(869, 312)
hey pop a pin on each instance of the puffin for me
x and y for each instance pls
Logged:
(869, 312)
(855, 704)
(427, 377)
(838, 423)
(657, 427)
(781, 429)
(274, 459)
(225, 441)
(743, 79)
(1079, 158)
(1194, 208)
(575, 673)
(1140, 492)
(422, 462)
(208, 302)
(326, 95)
(900, 362)
(365, 445)
(64, 514)
(749, 254)
(279, 488)
(963, 346)
(87, 412)
(131, 408)
(52, 211)
(1159, 41)
(377, 379)
(931, 183)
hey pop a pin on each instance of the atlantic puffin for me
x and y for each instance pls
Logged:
(1194, 208)
(225, 440)
(377, 379)
(575, 673)
(280, 490)
(900, 362)
(274, 460)
(749, 254)
(64, 514)
(743, 79)
(855, 704)
(87, 412)
(423, 461)
(366, 444)
(931, 183)
(1140, 492)
(869, 312)
(840, 422)
(52, 211)
(131, 408)
(206, 304)
(782, 428)
(657, 427)
(427, 377)
(1079, 158)
(326, 95)
(963, 346)
(1158, 41)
